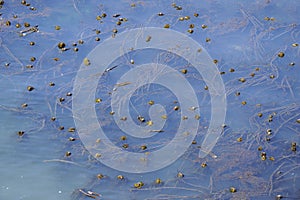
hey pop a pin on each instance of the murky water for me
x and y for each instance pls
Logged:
(254, 46)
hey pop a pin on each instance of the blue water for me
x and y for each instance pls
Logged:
(34, 166)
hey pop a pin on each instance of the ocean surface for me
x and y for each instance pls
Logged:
(149, 99)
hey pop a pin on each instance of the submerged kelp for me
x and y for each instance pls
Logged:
(254, 47)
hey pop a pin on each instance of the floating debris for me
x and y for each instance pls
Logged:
(30, 30)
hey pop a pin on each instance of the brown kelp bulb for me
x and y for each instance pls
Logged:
(280, 54)
(30, 88)
(61, 45)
